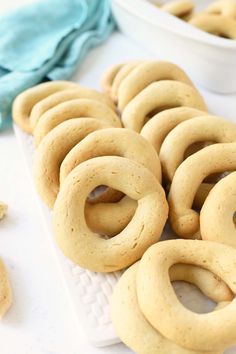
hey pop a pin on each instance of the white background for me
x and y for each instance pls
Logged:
(41, 320)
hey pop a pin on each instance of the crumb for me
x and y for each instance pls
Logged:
(3, 210)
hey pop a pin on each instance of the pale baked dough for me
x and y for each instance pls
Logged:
(108, 77)
(130, 323)
(63, 96)
(219, 25)
(99, 215)
(85, 247)
(77, 108)
(53, 150)
(25, 101)
(159, 96)
(178, 8)
(161, 124)
(214, 331)
(112, 142)
(217, 218)
(143, 75)
(113, 77)
(5, 290)
(223, 7)
(204, 128)
(190, 174)
(3, 209)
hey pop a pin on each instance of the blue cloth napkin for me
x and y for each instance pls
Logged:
(46, 41)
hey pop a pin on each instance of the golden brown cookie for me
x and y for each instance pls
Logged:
(219, 25)
(200, 129)
(145, 74)
(85, 247)
(214, 331)
(178, 8)
(159, 96)
(63, 96)
(157, 128)
(3, 209)
(5, 290)
(190, 174)
(132, 326)
(217, 218)
(223, 7)
(76, 108)
(112, 142)
(26, 100)
(53, 150)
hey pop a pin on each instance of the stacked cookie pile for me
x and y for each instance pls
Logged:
(218, 19)
(148, 135)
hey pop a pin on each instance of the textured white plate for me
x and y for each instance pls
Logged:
(90, 292)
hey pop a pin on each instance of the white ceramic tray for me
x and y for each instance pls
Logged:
(90, 292)
(209, 60)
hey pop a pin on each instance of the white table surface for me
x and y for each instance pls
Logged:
(41, 320)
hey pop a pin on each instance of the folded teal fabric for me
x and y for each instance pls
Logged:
(46, 41)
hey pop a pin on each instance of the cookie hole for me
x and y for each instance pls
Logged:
(184, 15)
(192, 298)
(190, 295)
(96, 192)
(216, 177)
(223, 35)
(206, 186)
(104, 194)
(108, 218)
(234, 219)
(155, 111)
(195, 147)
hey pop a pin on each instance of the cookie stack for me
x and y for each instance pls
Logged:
(105, 162)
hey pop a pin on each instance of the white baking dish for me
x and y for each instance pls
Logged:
(208, 59)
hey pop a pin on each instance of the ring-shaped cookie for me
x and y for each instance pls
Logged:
(124, 71)
(5, 290)
(126, 314)
(112, 142)
(53, 150)
(178, 8)
(214, 331)
(160, 125)
(204, 128)
(108, 77)
(217, 214)
(218, 25)
(25, 101)
(189, 175)
(223, 7)
(66, 95)
(77, 108)
(85, 247)
(159, 96)
(146, 73)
